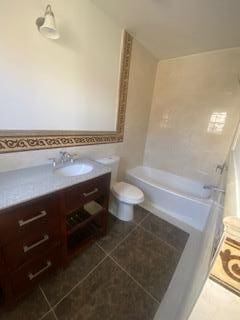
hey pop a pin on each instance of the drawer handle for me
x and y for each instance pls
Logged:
(32, 276)
(24, 222)
(90, 193)
(28, 248)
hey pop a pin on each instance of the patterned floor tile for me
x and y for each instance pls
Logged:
(117, 230)
(107, 293)
(139, 214)
(166, 231)
(59, 284)
(149, 260)
(49, 316)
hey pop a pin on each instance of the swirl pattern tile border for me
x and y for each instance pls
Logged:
(17, 143)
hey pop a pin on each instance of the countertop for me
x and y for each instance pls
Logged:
(26, 184)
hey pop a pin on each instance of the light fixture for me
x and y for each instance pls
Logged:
(47, 25)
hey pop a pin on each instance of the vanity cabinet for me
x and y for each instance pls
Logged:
(44, 234)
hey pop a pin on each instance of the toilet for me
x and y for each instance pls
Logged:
(123, 195)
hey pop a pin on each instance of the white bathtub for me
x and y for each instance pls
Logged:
(183, 199)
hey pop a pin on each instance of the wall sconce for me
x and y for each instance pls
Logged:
(47, 25)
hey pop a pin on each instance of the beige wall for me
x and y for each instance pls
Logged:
(62, 74)
(182, 136)
(131, 151)
(142, 78)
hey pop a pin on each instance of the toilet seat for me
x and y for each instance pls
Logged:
(127, 193)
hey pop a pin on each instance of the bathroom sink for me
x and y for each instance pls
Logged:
(76, 169)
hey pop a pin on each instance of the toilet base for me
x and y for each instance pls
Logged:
(121, 210)
(125, 211)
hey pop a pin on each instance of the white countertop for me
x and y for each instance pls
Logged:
(26, 184)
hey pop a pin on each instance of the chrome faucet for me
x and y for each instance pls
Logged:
(213, 188)
(65, 157)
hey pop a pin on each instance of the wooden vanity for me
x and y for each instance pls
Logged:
(45, 233)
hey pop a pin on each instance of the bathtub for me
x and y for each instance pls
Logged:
(183, 199)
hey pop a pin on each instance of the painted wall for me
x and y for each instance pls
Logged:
(67, 84)
(194, 113)
(142, 77)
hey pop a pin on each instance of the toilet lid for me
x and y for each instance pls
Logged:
(128, 193)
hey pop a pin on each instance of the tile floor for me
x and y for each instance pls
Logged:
(123, 276)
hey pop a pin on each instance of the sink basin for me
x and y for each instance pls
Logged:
(76, 169)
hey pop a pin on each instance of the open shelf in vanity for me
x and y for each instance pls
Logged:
(86, 214)
(84, 226)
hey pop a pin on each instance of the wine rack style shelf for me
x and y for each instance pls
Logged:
(85, 225)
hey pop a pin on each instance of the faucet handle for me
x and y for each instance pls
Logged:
(72, 156)
(63, 153)
(54, 161)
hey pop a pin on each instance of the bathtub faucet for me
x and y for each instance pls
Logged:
(213, 188)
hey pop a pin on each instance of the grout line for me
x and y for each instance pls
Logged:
(140, 225)
(141, 221)
(119, 243)
(49, 304)
(104, 251)
(79, 282)
(54, 314)
(130, 232)
(45, 314)
(43, 293)
(139, 284)
(157, 237)
(108, 253)
(123, 269)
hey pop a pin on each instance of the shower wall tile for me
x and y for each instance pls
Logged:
(194, 113)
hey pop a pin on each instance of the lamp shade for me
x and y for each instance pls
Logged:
(48, 29)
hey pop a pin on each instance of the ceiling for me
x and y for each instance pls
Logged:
(172, 28)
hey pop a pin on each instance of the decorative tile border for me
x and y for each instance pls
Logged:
(15, 141)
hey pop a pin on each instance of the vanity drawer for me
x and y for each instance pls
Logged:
(19, 251)
(30, 274)
(86, 192)
(29, 218)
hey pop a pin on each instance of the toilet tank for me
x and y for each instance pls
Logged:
(113, 163)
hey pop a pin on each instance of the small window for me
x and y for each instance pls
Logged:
(165, 119)
(217, 122)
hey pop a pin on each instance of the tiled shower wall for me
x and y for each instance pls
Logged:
(194, 113)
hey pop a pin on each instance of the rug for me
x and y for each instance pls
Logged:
(226, 269)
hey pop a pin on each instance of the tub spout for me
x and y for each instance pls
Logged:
(213, 188)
